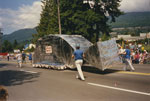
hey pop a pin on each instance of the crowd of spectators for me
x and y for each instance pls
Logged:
(138, 54)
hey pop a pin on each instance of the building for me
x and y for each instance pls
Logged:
(133, 38)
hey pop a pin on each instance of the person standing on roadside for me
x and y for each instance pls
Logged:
(19, 59)
(128, 59)
(30, 57)
(78, 56)
(23, 57)
(121, 54)
(8, 57)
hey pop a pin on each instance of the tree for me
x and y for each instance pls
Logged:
(7, 46)
(48, 22)
(80, 18)
(105, 37)
(15, 44)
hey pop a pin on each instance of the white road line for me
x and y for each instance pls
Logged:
(28, 71)
(121, 89)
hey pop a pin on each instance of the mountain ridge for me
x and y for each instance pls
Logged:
(20, 35)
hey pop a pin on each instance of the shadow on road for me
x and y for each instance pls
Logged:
(11, 77)
(94, 70)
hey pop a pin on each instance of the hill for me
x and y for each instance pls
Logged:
(132, 19)
(20, 35)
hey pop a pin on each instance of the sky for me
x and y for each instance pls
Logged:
(20, 14)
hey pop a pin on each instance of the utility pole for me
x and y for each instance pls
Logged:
(59, 22)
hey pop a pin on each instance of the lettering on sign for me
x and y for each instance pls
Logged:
(48, 49)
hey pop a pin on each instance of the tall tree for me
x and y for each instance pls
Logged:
(78, 17)
(53, 18)
(15, 44)
(48, 22)
(7, 46)
(88, 18)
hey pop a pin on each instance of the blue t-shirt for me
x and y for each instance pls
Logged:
(30, 56)
(127, 56)
(78, 54)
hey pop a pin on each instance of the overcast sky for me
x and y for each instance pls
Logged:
(20, 14)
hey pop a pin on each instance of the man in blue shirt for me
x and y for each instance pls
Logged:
(78, 55)
(128, 59)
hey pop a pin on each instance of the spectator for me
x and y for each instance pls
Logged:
(121, 53)
(23, 57)
(136, 58)
(8, 57)
(132, 55)
(19, 59)
(30, 57)
(144, 56)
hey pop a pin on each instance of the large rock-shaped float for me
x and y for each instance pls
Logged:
(103, 55)
(55, 51)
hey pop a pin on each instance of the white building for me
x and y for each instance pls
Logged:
(134, 38)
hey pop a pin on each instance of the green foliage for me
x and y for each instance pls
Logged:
(79, 18)
(7, 46)
(49, 20)
(20, 46)
(132, 19)
(105, 37)
(20, 35)
(15, 44)
(147, 47)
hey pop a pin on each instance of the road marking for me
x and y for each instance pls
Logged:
(135, 73)
(121, 89)
(28, 71)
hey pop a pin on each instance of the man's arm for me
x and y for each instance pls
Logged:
(72, 56)
(83, 55)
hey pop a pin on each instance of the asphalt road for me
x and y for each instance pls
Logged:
(36, 84)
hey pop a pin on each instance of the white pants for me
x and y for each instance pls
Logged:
(78, 64)
(128, 63)
(19, 63)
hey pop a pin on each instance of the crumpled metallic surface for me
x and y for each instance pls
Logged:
(62, 46)
(103, 55)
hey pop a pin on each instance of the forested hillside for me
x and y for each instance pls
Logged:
(20, 35)
(134, 19)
